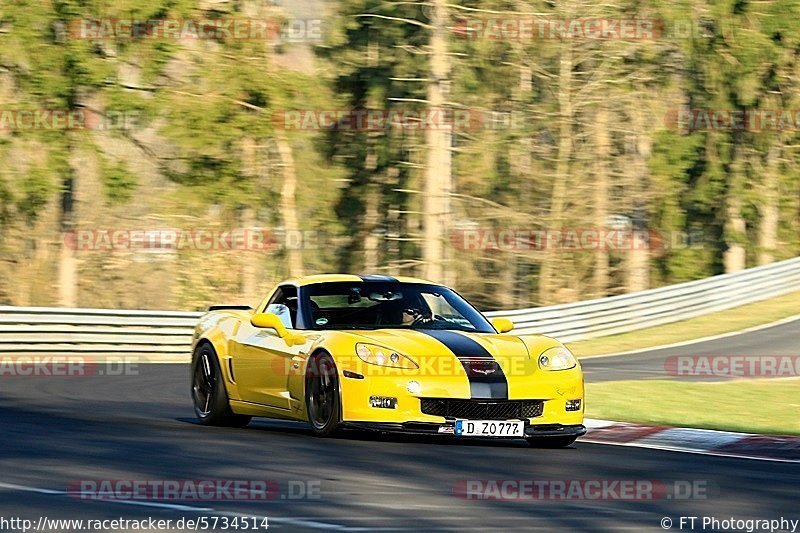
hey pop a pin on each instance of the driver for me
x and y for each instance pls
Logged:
(394, 313)
(409, 315)
(412, 315)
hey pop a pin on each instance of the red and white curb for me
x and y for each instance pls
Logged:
(702, 441)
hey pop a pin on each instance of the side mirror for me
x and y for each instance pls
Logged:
(502, 325)
(272, 321)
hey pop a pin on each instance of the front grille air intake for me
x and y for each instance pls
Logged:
(482, 409)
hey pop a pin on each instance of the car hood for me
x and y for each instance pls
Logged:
(420, 343)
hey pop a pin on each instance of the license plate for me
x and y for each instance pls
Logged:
(490, 428)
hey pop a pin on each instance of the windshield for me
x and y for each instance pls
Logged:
(373, 305)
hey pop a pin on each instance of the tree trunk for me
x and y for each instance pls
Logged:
(250, 259)
(67, 262)
(247, 217)
(371, 218)
(67, 276)
(735, 255)
(601, 275)
(770, 213)
(520, 160)
(288, 207)
(394, 225)
(637, 277)
(550, 260)
(507, 291)
(735, 226)
(437, 188)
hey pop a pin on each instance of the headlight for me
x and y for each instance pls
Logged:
(557, 358)
(378, 355)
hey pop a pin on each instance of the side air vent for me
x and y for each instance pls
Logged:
(230, 370)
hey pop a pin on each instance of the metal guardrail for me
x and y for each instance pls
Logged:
(167, 334)
(87, 332)
(654, 307)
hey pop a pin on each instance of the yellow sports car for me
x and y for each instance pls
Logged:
(383, 353)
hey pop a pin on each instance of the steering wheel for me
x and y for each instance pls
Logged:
(422, 318)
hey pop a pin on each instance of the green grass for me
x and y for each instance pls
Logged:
(770, 406)
(736, 319)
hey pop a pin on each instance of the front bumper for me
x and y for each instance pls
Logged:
(427, 428)
(553, 389)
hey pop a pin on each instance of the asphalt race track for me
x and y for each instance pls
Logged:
(782, 339)
(57, 430)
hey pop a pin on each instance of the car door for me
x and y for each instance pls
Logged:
(262, 358)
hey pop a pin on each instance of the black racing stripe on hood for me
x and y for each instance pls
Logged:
(377, 277)
(476, 360)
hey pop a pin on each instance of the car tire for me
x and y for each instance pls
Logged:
(551, 442)
(323, 402)
(209, 396)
